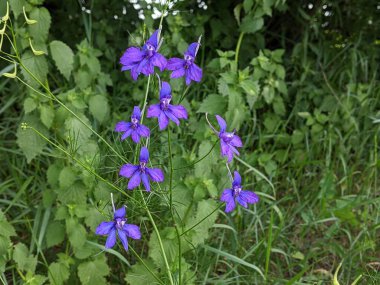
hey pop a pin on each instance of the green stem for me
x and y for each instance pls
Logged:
(183, 94)
(145, 99)
(159, 239)
(238, 48)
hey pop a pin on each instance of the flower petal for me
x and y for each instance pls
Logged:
(165, 89)
(187, 77)
(153, 40)
(145, 181)
(178, 73)
(123, 238)
(122, 126)
(230, 154)
(237, 178)
(195, 72)
(249, 197)
(126, 134)
(228, 197)
(179, 111)
(111, 239)
(136, 113)
(132, 231)
(148, 68)
(144, 154)
(241, 201)
(134, 181)
(222, 123)
(224, 148)
(127, 170)
(143, 131)
(171, 116)
(132, 56)
(155, 174)
(153, 111)
(135, 136)
(192, 49)
(163, 121)
(236, 141)
(159, 60)
(104, 228)
(175, 63)
(119, 213)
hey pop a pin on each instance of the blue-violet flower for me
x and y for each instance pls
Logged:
(228, 141)
(186, 66)
(145, 59)
(119, 225)
(236, 194)
(141, 172)
(133, 128)
(164, 111)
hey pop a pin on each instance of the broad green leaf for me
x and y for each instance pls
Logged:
(76, 233)
(25, 261)
(58, 273)
(213, 104)
(29, 105)
(40, 30)
(76, 193)
(37, 66)
(52, 174)
(32, 279)
(139, 275)
(30, 142)
(251, 25)
(76, 130)
(99, 107)
(67, 177)
(55, 233)
(63, 57)
(16, 6)
(47, 115)
(93, 272)
(252, 90)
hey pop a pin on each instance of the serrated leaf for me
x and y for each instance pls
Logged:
(55, 233)
(76, 193)
(77, 130)
(58, 273)
(31, 143)
(25, 261)
(40, 30)
(16, 6)
(76, 233)
(99, 107)
(138, 274)
(29, 105)
(251, 25)
(63, 57)
(213, 104)
(67, 177)
(52, 174)
(252, 90)
(36, 65)
(32, 279)
(47, 115)
(93, 272)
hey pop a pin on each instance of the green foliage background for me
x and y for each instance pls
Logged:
(297, 79)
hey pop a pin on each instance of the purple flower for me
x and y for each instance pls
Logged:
(228, 141)
(119, 225)
(133, 128)
(243, 197)
(186, 66)
(165, 111)
(138, 173)
(143, 60)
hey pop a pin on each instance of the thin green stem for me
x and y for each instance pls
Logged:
(145, 99)
(183, 94)
(238, 48)
(159, 240)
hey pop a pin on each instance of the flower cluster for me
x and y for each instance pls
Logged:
(143, 61)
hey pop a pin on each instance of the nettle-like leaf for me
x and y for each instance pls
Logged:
(37, 66)
(213, 104)
(55, 233)
(40, 30)
(75, 129)
(76, 233)
(93, 272)
(138, 274)
(30, 142)
(16, 6)
(99, 107)
(6, 232)
(24, 260)
(58, 273)
(63, 57)
(47, 115)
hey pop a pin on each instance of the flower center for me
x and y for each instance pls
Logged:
(135, 122)
(142, 166)
(237, 190)
(150, 50)
(227, 137)
(165, 103)
(189, 60)
(120, 222)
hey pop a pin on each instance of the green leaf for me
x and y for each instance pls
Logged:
(67, 177)
(52, 174)
(36, 65)
(76, 233)
(76, 193)
(55, 234)
(138, 274)
(31, 143)
(47, 115)
(251, 25)
(93, 272)
(213, 104)
(32, 279)
(252, 90)
(29, 105)
(236, 113)
(25, 262)
(77, 130)
(16, 6)
(40, 30)
(63, 57)
(58, 273)
(99, 107)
